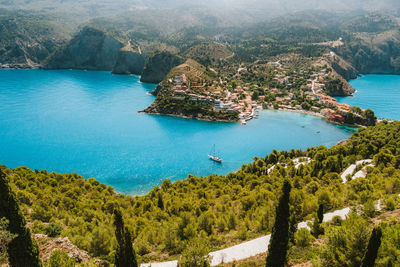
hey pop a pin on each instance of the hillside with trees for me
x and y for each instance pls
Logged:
(220, 210)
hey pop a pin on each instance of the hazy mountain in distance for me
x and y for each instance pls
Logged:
(241, 10)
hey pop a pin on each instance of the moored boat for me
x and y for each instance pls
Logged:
(213, 156)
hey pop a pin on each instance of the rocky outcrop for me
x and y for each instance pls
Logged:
(47, 245)
(158, 66)
(90, 49)
(343, 68)
(338, 86)
(157, 89)
(129, 62)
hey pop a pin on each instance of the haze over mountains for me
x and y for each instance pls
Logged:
(231, 12)
(31, 32)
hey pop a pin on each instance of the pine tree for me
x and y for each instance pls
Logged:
(22, 250)
(125, 256)
(373, 247)
(278, 246)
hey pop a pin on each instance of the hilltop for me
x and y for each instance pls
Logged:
(208, 53)
(90, 49)
(189, 90)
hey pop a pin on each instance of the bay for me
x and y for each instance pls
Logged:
(88, 122)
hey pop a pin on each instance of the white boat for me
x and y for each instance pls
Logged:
(213, 156)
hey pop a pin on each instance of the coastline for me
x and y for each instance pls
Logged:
(305, 112)
(311, 113)
(186, 117)
(18, 66)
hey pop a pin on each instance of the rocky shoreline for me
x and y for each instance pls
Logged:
(208, 118)
(17, 66)
(201, 118)
(316, 114)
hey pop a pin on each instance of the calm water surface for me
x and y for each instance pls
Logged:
(381, 93)
(87, 122)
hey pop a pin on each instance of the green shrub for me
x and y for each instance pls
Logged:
(369, 209)
(346, 244)
(303, 237)
(195, 255)
(53, 229)
(59, 258)
(390, 203)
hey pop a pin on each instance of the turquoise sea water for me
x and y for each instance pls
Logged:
(381, 93)
(87, 122)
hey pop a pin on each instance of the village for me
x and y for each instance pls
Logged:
(248, 98)
(240, 100)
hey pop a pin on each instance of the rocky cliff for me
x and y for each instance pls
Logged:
(373, 53)
(129, 62)
(158, 66)
(90, 49)
(342, 67)
(338, 86)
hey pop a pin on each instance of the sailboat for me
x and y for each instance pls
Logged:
(213, 156)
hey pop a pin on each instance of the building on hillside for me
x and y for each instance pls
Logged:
(326, 112)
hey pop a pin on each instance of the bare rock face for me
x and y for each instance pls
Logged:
(158, 66)
(47, 245)
(129, 62)
(343, 68)
(90, 49)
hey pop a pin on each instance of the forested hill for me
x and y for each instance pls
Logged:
(219, 210)
(28, 39)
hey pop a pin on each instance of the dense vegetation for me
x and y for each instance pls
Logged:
(22, 250)
(187, 107)
(222, 210)
(25, 37)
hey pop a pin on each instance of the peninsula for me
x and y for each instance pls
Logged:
(232, 92)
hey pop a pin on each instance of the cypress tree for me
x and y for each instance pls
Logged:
(125, 256)
(292, 228)
(22, 250)
(278, 246)
(373, 247)
(316, 228)
(160, 202)
(320, 213)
